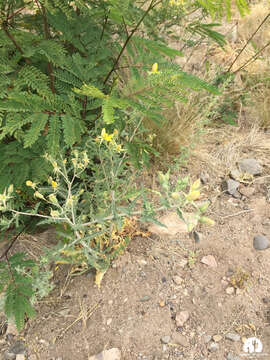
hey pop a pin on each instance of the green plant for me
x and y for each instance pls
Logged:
(96, 226)
(76, 85)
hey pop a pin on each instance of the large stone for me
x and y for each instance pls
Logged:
(173, 223)
(250, 166)
(260, 242)
(112, 354)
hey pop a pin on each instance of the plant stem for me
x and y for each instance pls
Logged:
(249, 40)
(253, 58)
(150, 7)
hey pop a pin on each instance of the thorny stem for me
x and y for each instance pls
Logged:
(47, 37)
(253, 58)
(150, 7)
(248, 41)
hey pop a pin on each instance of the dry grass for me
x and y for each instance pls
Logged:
(225, 146)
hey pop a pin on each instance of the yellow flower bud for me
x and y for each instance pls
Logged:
(39, 195)
(30, 183)
(196, 185)
(206, 220)
(194, 195)
(155, 68)
(53, 199)
(54, 213)
(10, 189)
(204, 206)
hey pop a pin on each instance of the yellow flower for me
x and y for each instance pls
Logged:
(30, 184)
(54, 184)
(115, 132)
(155, 69)
(105, 136)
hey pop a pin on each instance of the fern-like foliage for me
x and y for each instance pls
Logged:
(18, 288)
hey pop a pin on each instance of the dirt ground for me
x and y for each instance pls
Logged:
(143, 294)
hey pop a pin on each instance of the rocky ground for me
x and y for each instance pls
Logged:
(172, 295)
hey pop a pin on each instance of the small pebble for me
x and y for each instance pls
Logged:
(32, 357)
(266, 300)
(112, 354)
(109, 321)
(231, 186)
(145, 298)
(233, 337)
(162, 303)
(177, 279)
(182, 263)
(230, 356)
(230, 290)
(207, 338)
(9, 356)
(212, 347)
(260, 242)
(181, 318)
(180, 340)
(209, 260)
(17, 348)
(165, 339)
(20, 357)
(217, 338)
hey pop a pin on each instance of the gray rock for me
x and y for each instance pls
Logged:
(17, 348)
(230, 356)
(250, 166)
(260, 242)
(266, 300)
(165, 339)
(212, 347)
(235, 174)
(233, 337)
(231, 187)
